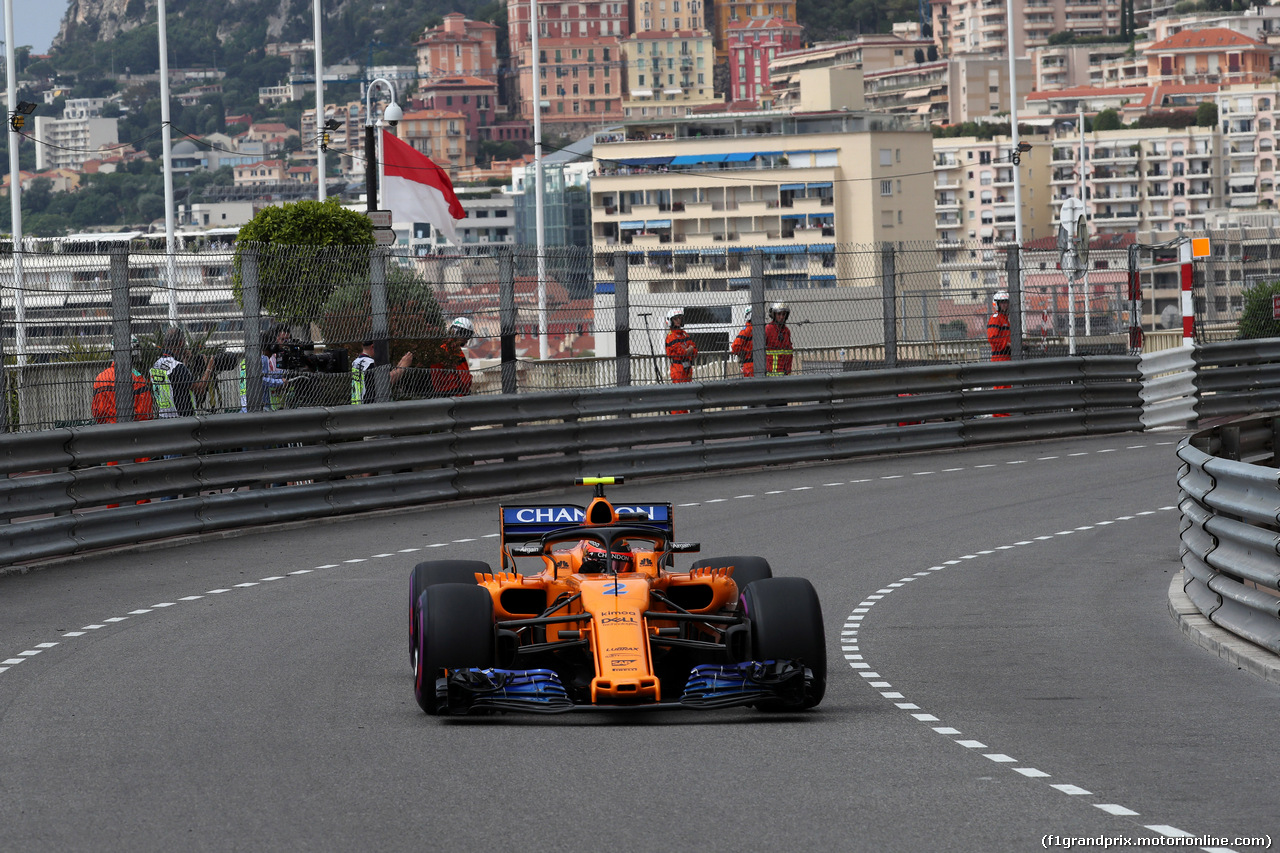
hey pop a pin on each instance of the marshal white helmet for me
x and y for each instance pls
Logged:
(462, 328)
(1001, 296)
(779, 308)
(747, 318)
(674, 313)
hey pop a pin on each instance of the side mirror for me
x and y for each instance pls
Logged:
(527, 550)
(686, 547)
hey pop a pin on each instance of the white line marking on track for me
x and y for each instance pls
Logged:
(1072, 790)
(301, 572)
(408, 550)
(890, 477)
(379, 556)
(274, 578)
(164, 604)
(972, 744)
(742, 497)
(907, 706)
(217, 591)
(74, 634)
(330, 566)
(12, 661)
(985, 466)
(1170, 831)
(138, 612)
(45, 645)
(999, 758)
(1031, 772)
(116, 619)
(1112, 808)
(356, 560)
(92, 627)
(194, 597)
(946, 730)
(243, 585)
(717, 500)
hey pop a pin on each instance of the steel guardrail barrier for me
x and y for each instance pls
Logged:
(76, 489)
(1229, 497)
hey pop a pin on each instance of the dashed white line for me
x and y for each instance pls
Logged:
(1073, 790)
(1115, 809)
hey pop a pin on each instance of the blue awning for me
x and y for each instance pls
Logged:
(741, 157)
(686, 159)
(826, 185)
(657, 223)
(738, 250)
(686, 251)
(644, 161)
(793, 216)
(714, 158)
(604, 287)
(785, 250)
(823, 247)
(739, 282)
(793, 186)
(662, 254)
(822, 278)
(821, 216)
(772, 153)
(631, 226)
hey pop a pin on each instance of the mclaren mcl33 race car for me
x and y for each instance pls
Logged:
(599, 618)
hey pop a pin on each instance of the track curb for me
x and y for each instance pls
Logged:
(1204, 633)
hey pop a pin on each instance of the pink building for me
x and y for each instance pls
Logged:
(579, 46)
(751, 45)
(475, 98)
(459, 47)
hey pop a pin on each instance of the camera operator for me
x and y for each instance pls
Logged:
(174, 386)
(362, 375)
(274, 381)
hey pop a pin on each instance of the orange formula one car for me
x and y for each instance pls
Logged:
(602, 620)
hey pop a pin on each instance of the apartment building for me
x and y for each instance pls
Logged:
(666, 15)
(949, 91)
(981, 26)
(1073, 66)
(1247, 117)
(1216, 55)
(668, 73)
(439, 134)
(688, 198)
(725, 12)
(752, 46)
(1159, 178)
(974, 197)
(66, 143)
(475, 97)
(459, 47)
(580, 79)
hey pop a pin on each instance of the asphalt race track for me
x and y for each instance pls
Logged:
(1003, 668)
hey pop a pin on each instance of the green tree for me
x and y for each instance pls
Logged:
(1257, 320)
(305, 251)
(1107, 120)
(1207, 114)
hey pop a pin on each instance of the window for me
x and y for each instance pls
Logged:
(886, 188)
(886, 157)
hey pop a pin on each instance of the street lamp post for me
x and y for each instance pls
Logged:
(377, 266)
(392, 114)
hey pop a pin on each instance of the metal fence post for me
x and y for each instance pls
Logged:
(1135, 303)
(1013, 271)
(252, 300)
(4, 383)
(759, 315)
(507, 318)
(889, 299)
(118, 273)
(622, 319)
(378, 312)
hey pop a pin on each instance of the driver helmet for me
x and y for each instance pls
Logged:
(596, 561)
(779, 308)
(673, 314)
(462, 328)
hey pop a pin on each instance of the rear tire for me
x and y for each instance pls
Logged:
(430, 573)
(786, 624)
(455, 631)
(746, 570)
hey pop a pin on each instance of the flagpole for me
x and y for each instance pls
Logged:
(539, 216)
(15, 196)
(320, 129)
(171, 265)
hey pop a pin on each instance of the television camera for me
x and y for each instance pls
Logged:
(301, 356)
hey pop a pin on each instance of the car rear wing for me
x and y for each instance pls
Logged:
(520, 524)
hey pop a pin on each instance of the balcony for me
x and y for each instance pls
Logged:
(945, 163)
(946, 184)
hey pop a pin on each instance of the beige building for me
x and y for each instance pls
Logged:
(981, 26)
(66, 143)
(1165, 179)
(439, 134)
(949, 91)
(974, 196)
(668, 73)
(690, 198)
(1071, 66)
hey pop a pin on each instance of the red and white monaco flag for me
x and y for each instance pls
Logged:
(417, 190)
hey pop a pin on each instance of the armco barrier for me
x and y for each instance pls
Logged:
(256, 468)
(1230, 532)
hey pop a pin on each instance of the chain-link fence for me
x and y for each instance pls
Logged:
(283, 325)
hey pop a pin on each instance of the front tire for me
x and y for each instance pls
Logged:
(786, 624)
(455, 631)
(432, 572)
